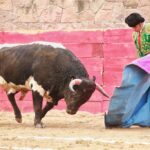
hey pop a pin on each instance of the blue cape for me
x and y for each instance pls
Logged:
(130, 103)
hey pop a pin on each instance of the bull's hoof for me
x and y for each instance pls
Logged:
(19, 120)
(39, 125)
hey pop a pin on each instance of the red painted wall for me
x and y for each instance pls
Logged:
(104, 54)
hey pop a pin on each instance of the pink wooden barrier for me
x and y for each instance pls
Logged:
(104, 54)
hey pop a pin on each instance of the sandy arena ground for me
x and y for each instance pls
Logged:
(83, 131)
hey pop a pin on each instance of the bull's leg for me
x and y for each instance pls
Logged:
(37, 104)
(17, 112)
(48, 106)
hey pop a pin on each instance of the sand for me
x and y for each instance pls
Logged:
(83, 131)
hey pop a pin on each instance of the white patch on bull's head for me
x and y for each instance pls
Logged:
(53, 44)
(34, 86)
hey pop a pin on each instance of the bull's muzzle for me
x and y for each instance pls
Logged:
(71, 112)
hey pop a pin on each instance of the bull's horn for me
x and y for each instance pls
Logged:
(74, 82)
(100, 89)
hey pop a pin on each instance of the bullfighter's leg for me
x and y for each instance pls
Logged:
(48, 106)
(17, 112)
(37, 104)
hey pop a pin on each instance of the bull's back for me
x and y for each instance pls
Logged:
(42, 61)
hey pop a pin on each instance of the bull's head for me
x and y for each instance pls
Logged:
(80, 90)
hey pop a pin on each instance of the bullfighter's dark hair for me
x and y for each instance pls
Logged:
(134, 19)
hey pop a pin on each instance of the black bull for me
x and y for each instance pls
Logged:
(50, 72)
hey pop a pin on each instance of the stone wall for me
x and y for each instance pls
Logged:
(48, 15)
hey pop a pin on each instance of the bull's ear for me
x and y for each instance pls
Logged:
(94, 78)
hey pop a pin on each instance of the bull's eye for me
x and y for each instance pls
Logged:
(73, 93)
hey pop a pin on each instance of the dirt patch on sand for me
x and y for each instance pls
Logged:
(83, 131)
